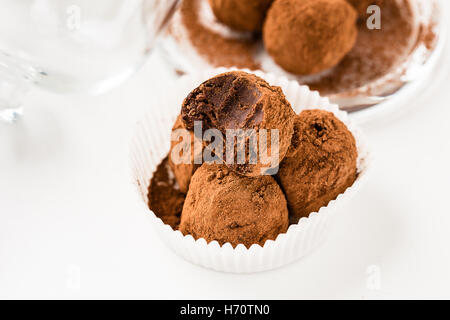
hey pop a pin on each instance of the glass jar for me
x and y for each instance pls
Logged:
(73, 45)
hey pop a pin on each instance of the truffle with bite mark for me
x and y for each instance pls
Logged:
(306, 37)
(320, 164)
(243, 101)
(224, 206)
(241, 15)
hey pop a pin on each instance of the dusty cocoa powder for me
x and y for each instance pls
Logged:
(164, 197)
(224, 206)
(375, 53)
(220, 51)
(309, 36)
(241, 15)
(320, 164)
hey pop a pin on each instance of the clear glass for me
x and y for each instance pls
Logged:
(73, 45)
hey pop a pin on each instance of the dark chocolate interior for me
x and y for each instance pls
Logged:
(229, 101)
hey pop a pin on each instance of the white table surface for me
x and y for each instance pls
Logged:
(70, 226)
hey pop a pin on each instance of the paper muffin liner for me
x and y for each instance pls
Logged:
(151, 144)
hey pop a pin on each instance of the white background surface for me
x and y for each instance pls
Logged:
(70, 226)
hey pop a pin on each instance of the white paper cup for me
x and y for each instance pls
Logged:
(151, 145)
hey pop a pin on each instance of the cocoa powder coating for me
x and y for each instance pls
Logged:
(376, 53)
(224, 206)
(247, 15)
(220, 51)
(309, 36)
(239, 100)
(320, 164)
(164, 197)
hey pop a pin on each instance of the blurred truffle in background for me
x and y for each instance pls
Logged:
(309, 36)
(241, 15)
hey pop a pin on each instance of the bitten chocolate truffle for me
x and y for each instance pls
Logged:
(241, 15)
(224, 206)
(239, 100)
(320, 164)
(309, 36)
(182, 171)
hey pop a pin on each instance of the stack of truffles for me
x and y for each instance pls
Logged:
(238, 201)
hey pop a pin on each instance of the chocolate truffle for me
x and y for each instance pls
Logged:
(164, 198)
(239, 100)
(309, 36)
(182, 171)
(320, 164)
(224, 206)
(362, 5)
(247, 15)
